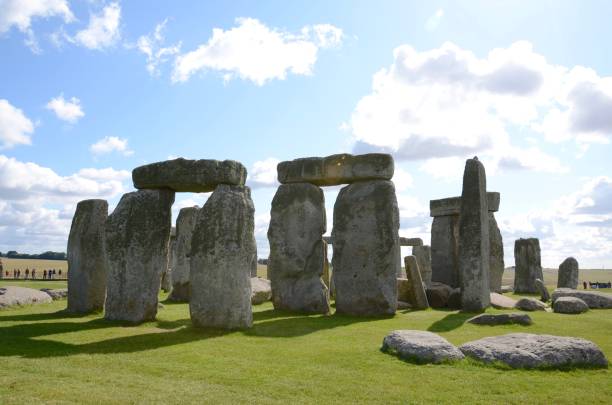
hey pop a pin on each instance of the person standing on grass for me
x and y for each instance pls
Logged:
(60, 273)
(44, 274)
(33, 274)
(54, 274)
(27, 273)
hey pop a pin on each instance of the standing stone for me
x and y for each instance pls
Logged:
(86, 261)
(496, 250)
(326, 277)
(185, 223)
(544, 294)
(297, 251)
(137, 236)
(416, 296)
(222, 248)
(366, 257)
(445, 250)
(527, 265)
(166, 281)
(423, 257)
(568, 274)
(474, 238)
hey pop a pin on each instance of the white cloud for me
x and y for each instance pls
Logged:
(37, 204)
(111, 144)
(447, 103)
(434, 20)
(263, 173)
(15, 127)
(402, 179)
(151, 46)
(67, 110)
(103, 29)
(20, 13)
(252, 51)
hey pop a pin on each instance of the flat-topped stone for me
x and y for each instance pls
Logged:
(410, 241)
(594, 299)
(570, 305)
(11, 296)
(336, 169)
(420, 346)
(500, 301)
(192, 176)
(452, 205)
(501, 319)
(530, 304)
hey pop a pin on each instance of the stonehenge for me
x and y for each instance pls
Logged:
(222, 248)
(527, 264)
(166, 281)
(416, 291)
(568, 274)
(297, 249)
(137, 238)
(185, 223)
(422, 254)
(445, 241)
(86, 257)
(474, 238)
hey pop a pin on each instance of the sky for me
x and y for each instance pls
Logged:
(90, 90)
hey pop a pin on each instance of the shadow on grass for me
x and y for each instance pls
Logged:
(450, 322)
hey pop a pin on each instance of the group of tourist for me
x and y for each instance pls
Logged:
(31, 274)
(596, 285)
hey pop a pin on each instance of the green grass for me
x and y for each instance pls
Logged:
(49, 356)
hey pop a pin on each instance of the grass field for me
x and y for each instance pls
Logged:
(40, 265)
(51, 357)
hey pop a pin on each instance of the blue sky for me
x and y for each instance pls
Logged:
(91, 89)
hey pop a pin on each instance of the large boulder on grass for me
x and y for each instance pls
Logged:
(594, 299)
(420, 347)
(11, 296)
(570, 305)
(501, 319)
(530, 304)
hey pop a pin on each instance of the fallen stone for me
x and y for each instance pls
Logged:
(402, 305)
(544, 294)
(525, 350)
(297, 252)
(222, 247)
(568, 274)
(416, 292)
(506, 289)
(500, 301)
(336, 169)
(438, 294)
(87, 269)
(570, 305)
(420, 346)
(423, 258)
(261, 291)
(501, 319)
(530, 304)
(474, 246)
(137, 239)
(452, 206)
(496, 255)
(594, 299)
(192, 176)
(11, 296)
(185, 224)
(56, 293)
(410, 241)
(528, 265)
(366, 258)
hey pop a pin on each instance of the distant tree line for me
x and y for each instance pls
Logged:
(12, 254)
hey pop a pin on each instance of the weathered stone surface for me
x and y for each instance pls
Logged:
(56, 293)
(423, 258)
(336, 169)
(454, 299)
(261, 290)
(506, 289)
(501, 319)
(452, 205)
(137, 239)
(166, 280)
(594, 299)
(438, 294)
(496, 255)
(185, 224)
(366, 258)
(326, 277)
(527, 265)
(474, 239)
(568, 274)
(401, 305)
(525, 350)
(192, 176)
(11, 296)
(530, 304)
(420, 346)
(544, 294)
(570, 305)
(86, 257)
(501, 301)
(297, 252)
(416, 291)
(410, 241)
(403, 289)
(222, 248)
(445, 250)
